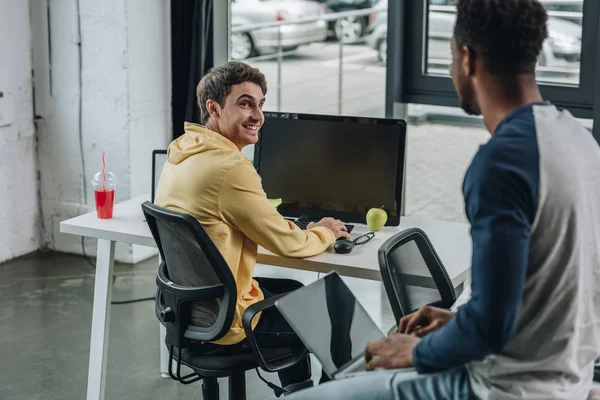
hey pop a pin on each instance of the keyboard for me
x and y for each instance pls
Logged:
(303, 223)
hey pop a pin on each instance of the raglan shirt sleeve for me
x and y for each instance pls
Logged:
(500, 193)
(244, 205)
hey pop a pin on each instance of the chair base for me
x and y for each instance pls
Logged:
(234, 368)
(237, 387)
(210, 389)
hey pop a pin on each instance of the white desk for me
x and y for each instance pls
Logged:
(451, 241)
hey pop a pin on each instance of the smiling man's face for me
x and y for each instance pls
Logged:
(240, 117)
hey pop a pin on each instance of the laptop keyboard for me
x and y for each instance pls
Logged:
(357, 366)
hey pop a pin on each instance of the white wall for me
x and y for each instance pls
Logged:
(19, 206)
(149, 92)
(111, 93)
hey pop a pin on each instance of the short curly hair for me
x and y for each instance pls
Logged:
(216, 84)
(507, 35)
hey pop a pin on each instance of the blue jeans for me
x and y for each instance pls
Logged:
(381, 385)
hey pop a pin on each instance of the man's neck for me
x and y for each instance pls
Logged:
(502, 100)
(213, 127)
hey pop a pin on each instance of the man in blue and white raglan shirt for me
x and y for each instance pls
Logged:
(531, 329)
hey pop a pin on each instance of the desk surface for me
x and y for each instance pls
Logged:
(451, 241)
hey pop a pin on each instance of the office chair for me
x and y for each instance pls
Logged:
(408, 264)
(196, 299)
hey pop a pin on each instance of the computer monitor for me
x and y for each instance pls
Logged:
(334, 166)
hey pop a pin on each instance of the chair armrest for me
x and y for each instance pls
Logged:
(247, 319)
(170, 311)
(187, 293)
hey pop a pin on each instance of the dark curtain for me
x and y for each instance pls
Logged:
(191, 56)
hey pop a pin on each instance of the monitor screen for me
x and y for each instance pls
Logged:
(332, 166)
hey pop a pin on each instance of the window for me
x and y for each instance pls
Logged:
(574, 6)
(561, 53)
(416, 35)
(442, 139)
(316, 72)
(565, 67)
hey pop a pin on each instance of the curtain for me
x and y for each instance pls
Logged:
(191, 57)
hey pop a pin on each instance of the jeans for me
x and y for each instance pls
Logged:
(272, 330)
(382, 385)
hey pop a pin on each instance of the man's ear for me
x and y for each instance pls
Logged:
(213, 108)
(469, 61)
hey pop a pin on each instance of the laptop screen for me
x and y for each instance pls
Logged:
(159, 158)
(329, 320)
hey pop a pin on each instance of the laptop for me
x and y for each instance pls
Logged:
(159, 158)
(333, 325)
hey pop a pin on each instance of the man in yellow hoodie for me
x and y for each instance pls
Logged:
(207, 176)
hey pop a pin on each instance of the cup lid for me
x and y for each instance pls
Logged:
(111, 180)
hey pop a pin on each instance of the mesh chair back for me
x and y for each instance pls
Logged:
(193, 261)
(413, 274)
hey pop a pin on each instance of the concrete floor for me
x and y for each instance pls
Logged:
(45, 317)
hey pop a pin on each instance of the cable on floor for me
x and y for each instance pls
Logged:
(84, 254)
(133, 301)
(113, 280)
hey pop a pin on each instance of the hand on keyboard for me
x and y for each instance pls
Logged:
(335, 225)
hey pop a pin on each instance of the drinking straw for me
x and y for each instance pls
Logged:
(103, 172)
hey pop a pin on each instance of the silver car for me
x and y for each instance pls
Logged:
(561, 50)
(245, 13)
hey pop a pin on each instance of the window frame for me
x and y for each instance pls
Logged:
(407, 83)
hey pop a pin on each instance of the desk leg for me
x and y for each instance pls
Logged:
(164, 353)
(100, 319)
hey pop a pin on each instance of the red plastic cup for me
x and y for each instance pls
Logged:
(105, 202)
(104, 194)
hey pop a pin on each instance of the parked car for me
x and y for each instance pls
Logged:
(563, 5)
(351, 28)
(377, 30)
(265, 40)
(574, 6)
(550, 5)
(563, 47)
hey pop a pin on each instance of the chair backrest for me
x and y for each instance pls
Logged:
(195, 284)
(413, 274)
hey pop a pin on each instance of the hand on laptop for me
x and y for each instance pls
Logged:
(335, 225)
(395, 351)
(426, 320)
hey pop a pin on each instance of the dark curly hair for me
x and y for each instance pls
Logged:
(507, 35)
(216, 84)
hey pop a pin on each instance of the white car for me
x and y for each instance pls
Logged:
(252, 42)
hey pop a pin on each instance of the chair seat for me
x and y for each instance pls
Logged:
(215, 365)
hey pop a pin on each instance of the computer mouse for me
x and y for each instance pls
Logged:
(343, 246)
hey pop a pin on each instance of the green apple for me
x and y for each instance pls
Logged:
(376, 219)
(275, 202)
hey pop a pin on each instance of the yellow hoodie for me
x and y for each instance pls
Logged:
(206, 176)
